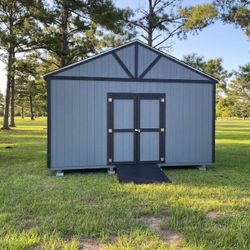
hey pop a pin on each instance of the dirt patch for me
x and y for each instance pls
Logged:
(212, 215)
(152, 222)
(91, 244)
(168, 236)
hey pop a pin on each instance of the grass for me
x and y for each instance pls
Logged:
(39, 210)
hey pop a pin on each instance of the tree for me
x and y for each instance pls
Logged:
(212, 67)
(236, 12)
(170, 18)
(73, 30)
(17, 26)
(239, 92)
(1, 103)
(31, 89)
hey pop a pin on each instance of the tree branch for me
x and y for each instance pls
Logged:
(170, 35)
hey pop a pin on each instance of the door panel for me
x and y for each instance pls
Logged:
(136, 128)
(123, 114)
(124, 147)
(149, 146)
(149, 113)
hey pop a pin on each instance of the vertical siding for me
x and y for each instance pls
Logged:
(76, 101)
(168, 69)
(145, 58)
(98, 67)
(79, 125)
(59, 114)
(84, 118)
(127, 56)
(54, 121)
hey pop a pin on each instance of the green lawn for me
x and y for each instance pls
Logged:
(41, 211)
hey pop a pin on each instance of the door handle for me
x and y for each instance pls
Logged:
(137, 130)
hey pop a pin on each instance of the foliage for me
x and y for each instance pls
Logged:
(233, 94)
(39, 210)
(170, 19)
(76, 28)
(212, 67)
(239, 93)
(18, 23)
(30, 87)
(52, 34)
(61, 32)
(236, 12)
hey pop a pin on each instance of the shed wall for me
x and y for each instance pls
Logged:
(79, 121)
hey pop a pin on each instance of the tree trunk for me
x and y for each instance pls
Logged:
(64, 36)
(31, 107)
(150, 38)
(150, 25)
(9, 80)
(12, 112)
(22, 113)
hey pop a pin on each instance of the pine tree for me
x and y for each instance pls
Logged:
(213, 67)
(17, 26)
(235, 12)
(164, 19)
(76, 26)
(31, 89)
(239, 92)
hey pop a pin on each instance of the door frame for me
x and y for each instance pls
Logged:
(136, 97)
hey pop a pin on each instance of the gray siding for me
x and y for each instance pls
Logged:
(168, 69)
(79, 125)
(145, 58)
(105, 66)
(127, 55)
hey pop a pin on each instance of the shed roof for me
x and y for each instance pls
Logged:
(118, 53)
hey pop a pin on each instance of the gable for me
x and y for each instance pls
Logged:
(127, 56)
(166, 68)
(145, 58)
(134, 61)
(98, 67)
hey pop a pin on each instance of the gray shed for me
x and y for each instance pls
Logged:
(132, 104)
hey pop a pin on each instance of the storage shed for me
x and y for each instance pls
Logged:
(130, 105)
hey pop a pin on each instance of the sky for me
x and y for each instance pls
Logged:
(217, 40)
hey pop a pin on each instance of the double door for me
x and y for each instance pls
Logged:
(136, 128)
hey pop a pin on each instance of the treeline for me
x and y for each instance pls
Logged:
(233, 89)
(38, 36)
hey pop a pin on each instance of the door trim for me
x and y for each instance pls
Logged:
(110, 126)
